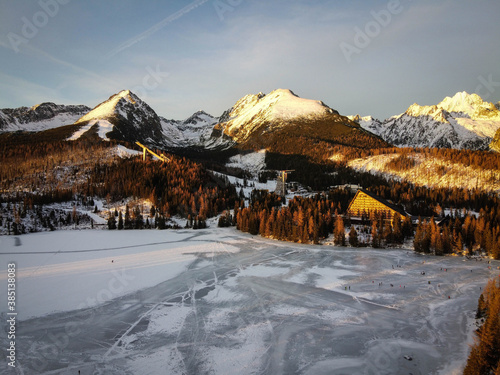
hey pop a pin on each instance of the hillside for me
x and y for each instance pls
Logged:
(426, 169)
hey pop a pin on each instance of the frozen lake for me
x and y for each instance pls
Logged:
(216, 301)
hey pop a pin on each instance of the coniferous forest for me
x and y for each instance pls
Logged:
(34, 174)
(37, 170)
(309, 220)
(484, 358)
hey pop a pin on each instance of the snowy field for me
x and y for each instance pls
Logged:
(216, 301)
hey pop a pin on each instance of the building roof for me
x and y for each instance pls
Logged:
(381, 200)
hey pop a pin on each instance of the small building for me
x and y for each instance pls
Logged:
(365, 203)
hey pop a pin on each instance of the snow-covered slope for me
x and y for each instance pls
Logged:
(123, 117)
(431, 171)
(252, 162)
(40, 117)
(272, 111)
(368, 123)
(195, 131)
(461, 121)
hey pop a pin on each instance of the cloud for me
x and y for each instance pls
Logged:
(160, 25)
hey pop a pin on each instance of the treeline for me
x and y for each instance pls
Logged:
(309, 220)
(424, 201)
(180, 187)
(484, 358)
(39, 172)
(25, 217)
(458, 234)
(303, 220)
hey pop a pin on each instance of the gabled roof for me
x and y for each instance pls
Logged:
(381, 200)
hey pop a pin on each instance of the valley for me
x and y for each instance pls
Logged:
(142, 265)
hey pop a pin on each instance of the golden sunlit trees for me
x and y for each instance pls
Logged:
(484, 358)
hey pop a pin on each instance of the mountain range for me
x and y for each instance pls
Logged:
(463, 121)
(258, 120)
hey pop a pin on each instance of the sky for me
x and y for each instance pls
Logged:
(358, 57)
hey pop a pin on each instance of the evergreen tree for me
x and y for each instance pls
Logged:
(339, 232)
(397, 229)
(111, 222)
(353, 237)
(120, 221)
(375, 235)
(128, 220)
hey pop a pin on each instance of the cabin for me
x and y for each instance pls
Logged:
(365, 203)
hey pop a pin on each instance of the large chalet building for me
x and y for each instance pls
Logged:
(365, 204)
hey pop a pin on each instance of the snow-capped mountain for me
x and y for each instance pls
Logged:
(195, 131)
(463, 121)
(266, 113)
(123, 117)
(40, 117)
(258, 120)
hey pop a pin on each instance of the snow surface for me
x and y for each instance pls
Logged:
(252, 162)
(46, 261)
(124, 152)
(218, 301)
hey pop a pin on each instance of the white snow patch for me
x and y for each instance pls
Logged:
(104, 127)
(253, 162)
(124, 152)
(331, 278)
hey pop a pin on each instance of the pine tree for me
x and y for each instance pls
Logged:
(111, 222)
(397, 230)
(375, 235)
(387, 233)
(339, 232)
(128, 221)
(120, 221)
(353, 237)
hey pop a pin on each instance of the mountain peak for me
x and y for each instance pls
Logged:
(124, 116)
(462, 102)
(110, 107)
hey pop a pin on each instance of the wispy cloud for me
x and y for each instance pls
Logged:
(160, 25)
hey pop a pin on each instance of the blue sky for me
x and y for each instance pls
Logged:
(367, 57)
